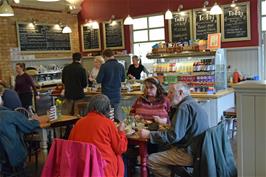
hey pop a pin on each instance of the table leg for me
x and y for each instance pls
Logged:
(44, 141)
(143, 159)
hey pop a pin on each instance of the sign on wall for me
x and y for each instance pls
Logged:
(113, 35)
(91, 40)
(180, 27)
(236, 22)
(204, 24)
(42, 38)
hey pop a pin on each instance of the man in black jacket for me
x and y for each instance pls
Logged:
(74, 78)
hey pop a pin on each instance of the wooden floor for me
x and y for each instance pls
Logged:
(31, 171)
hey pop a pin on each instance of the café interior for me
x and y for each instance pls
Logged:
(205, 59)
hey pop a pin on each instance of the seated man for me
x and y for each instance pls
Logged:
(10, 98)
(188, 120)
(12, 126)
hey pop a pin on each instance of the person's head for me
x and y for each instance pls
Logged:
(20, 68)
(153, 88)
(107, 54)
(100, 104)
(135, 60)
(76, 57)
(177, 92)
(98, 61)
(2, 89)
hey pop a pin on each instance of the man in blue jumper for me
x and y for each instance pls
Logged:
(111, 74)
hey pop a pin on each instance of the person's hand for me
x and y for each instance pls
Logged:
(138, 117)
(131, 76)
(143, 133)
(37, 97)
(121, 126)
(160, 120)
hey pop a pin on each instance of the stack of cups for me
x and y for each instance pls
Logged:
(112, 114)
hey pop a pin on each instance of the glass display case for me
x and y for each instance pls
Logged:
(202, 71)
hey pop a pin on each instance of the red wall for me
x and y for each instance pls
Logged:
(102, 10)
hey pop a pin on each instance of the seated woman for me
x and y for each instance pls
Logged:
(153, 105)
(98, 129)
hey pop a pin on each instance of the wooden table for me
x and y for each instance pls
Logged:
(64, 120)
(143, 152)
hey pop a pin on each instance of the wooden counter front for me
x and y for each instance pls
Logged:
(194, 95)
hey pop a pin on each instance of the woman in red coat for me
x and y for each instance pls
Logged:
(98, 129)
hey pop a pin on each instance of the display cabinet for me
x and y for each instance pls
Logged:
(202, 71)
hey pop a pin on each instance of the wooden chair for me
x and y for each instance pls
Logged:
(32, 140)
(230, 118)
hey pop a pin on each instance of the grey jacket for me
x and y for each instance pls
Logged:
(187, 122)
(214, 156)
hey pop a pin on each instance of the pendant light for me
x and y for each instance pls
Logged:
(216, 10)
(66, 29)
(233, 4)
(6, 10)
(128, 20)
(168, 15)
(48, 0)
(95, 25)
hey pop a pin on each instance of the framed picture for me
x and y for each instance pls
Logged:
(236, 22)
(113, 34)
(214, 41)
(90, 38)
(180, 27)
(204, 23)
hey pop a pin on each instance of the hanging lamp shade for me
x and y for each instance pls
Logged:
(67, 29)
(128, 20)
(95, 25)
(216, 10)
(48, 0)
(168, 15)
(6, 10)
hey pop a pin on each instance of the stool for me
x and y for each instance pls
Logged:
(229, 116)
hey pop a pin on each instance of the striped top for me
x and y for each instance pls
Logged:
(148, 109)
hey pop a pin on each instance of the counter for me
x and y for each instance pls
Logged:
(219, 94)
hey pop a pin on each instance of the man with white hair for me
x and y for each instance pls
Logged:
(188, 120)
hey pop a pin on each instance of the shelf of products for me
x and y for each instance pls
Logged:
(203, 73)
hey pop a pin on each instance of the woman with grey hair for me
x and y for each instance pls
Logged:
(96, 128)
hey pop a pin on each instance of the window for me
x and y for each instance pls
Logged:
(263, 15)
(147, 31)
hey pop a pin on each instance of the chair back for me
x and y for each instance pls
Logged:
(24, 111)
(72, 158)
(215, 157)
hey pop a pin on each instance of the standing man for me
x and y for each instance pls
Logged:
(111, 74)
(188, 120)
(75, 80)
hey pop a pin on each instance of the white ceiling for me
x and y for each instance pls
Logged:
(58, 5)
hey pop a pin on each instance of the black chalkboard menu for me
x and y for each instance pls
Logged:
(236, 22)
(42, 38)
(114, 35)
(180, 27)
(90, 39)
(204, 24)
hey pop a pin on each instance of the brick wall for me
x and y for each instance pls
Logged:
(8, 37)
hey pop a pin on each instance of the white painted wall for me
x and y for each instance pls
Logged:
(245, 60)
